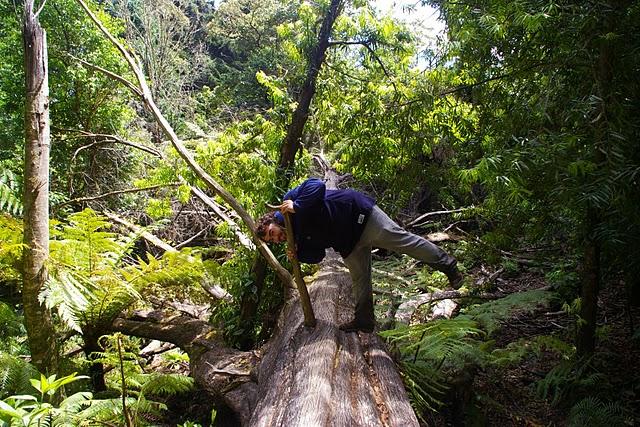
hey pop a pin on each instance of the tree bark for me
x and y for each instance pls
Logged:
(585, 338)
(38, 320)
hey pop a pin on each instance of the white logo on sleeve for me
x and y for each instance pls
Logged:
(360, 218)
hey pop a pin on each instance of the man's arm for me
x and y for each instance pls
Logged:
(307, 195)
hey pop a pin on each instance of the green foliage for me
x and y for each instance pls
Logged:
(9, 196)
(425, 386)
(86, 285)
(565, 280)
(10, 248)
(168, 38)
(15, 375)
(81, 98)
(593, 412)
(252, 38)
(93, 276)
(35, 410)
(48, 386)
(175, 274)
(12, 331)
(554, 137)
(568, 380)
(515, 352)
(122, 354)
(490, 314)
(429, 352)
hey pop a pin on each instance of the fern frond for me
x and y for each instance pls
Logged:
(103, 410)
(67, 413)
(515, 351)
(70, 294)
(490, 314)
(425, 387)
(10, 323)
(10, 200)
(428, 350)
(568, 378)
(15, 374)
(449, 340)
(166, 384)
(593, 412)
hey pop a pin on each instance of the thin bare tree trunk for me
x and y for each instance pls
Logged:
(291, 144)
(590, 289)
(36, 193)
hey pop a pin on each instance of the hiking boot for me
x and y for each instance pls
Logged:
(355, 326)
(455, 279)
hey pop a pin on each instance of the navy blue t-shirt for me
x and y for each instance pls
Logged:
(326, 219)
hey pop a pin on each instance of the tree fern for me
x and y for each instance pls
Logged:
(174, 273)
(86, 285)
(94, 278)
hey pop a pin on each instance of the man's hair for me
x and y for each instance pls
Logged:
(263, 223)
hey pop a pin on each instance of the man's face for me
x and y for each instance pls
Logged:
(275, 234)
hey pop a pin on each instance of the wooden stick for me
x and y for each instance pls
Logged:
(307, 308)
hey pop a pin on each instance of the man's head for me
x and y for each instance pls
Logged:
(269, 229)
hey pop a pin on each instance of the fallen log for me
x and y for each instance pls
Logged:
(303, 376)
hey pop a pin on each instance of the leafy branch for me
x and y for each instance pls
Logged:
(149, 103)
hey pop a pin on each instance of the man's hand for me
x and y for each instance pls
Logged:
(287, 206)
(291, 254)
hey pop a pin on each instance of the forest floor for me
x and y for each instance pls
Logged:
(513, 396)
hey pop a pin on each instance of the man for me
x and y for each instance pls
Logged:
(350, 223)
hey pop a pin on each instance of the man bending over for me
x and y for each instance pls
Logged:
(351, 223)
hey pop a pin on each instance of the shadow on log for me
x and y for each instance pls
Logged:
(303, 376)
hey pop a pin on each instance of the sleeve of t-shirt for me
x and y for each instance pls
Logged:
(307, 195)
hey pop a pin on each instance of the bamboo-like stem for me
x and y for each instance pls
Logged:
(125, 412)
(307, 308)
(305, 301)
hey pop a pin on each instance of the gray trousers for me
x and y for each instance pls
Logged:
(381, 231)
